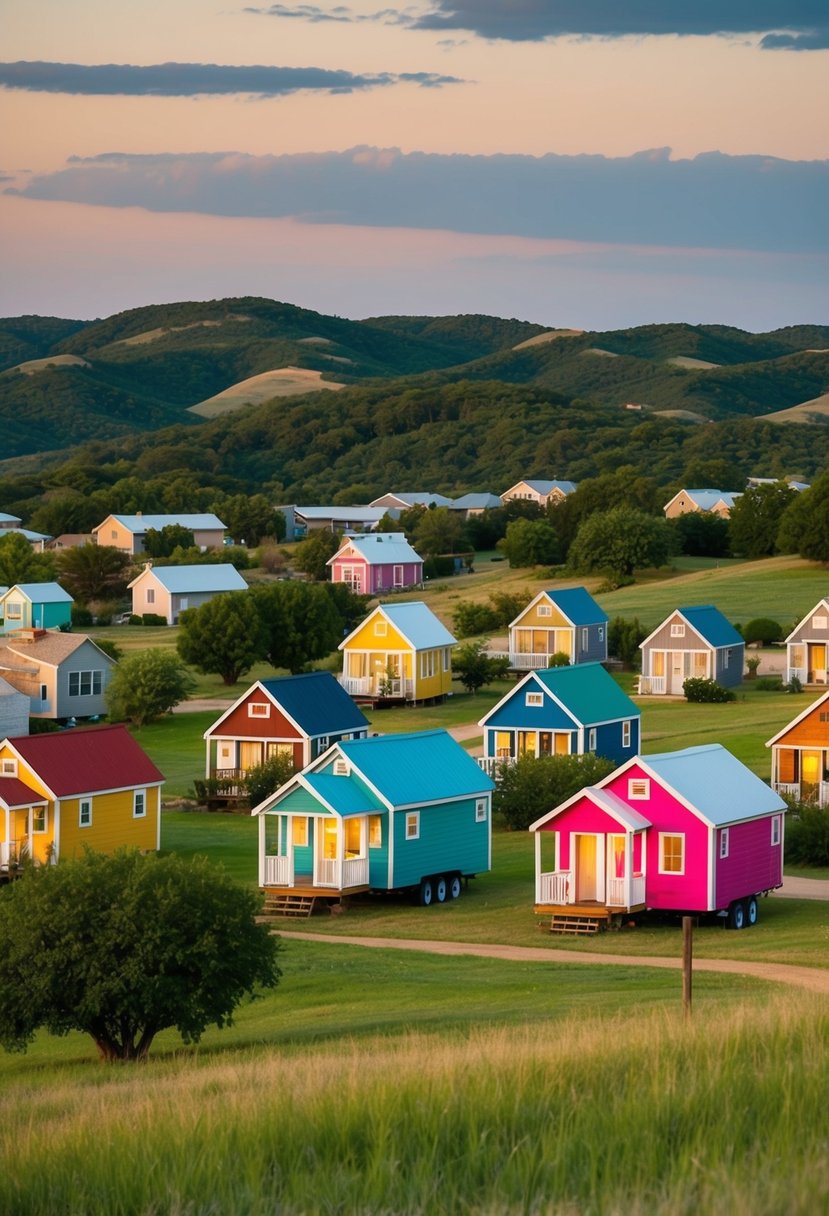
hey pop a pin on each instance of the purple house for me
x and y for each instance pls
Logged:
(686, 831)
(376, 562)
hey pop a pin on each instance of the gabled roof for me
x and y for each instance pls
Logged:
(706, 500)
(139, 524)
(574, 603)
(380, 549)
(316, 702)
(41, 593)
(414, 621)
(586, 691)
(369, 515)
(544, 487)
(48, 646)
(203, 577)
(83, 761)
(425, 766)
(713, 782)
(5, 518)
(796, 721)
(605, 800)
(476, 502)
(708, 622)
(344, 797)
(417, 498)
(824, 603)
(15, 794)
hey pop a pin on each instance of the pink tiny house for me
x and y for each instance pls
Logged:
(377, 562)
(688, 831)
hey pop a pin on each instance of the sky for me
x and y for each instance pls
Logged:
(576, 163)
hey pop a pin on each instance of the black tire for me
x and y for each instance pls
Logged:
(737, 915)
(441, 889)
(454, 886)
(752, 910)
(427, 892)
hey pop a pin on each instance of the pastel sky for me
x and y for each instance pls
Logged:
(576, 163)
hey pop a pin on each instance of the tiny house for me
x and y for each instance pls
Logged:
(399, 652)
(375, 563)
(687, 831)
(807, 647)
(565, 621)
(692, 643)
(800, 755)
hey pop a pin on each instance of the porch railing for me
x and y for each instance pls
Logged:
(492, 764)
(793, 789)
(617, 891)
(278, 872)
(651, 684)
(368, 686)
(554, 887)
(520, 661)
(355, 872)
(337, 873)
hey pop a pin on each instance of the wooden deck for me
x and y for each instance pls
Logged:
(586, 908)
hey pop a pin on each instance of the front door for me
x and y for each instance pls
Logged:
(677, 662)
(325, 853)
(817, 663)
(586, 869)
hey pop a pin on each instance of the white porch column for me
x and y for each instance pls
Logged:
(628, 869)
(261, 850)
(538, 867)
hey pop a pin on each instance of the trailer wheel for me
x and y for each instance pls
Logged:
(752, 910)
(441, 890)
(737, 915)
(454, 886)
(426, 892)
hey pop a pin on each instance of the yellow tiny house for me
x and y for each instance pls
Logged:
(399, 652)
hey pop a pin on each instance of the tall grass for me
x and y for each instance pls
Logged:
(635, 1114)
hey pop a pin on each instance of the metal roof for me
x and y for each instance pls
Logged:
(317, 702)
(577, 604)
(204, 577)
(345, 796)
(711, 625)
(417, 624)
(380, 549)
(476, 502)
(587, 691)
(84, 761)
(426, 766)
(713, 782)
(202, 522)
(42, 593)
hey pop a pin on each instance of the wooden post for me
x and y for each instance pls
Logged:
(687, 962)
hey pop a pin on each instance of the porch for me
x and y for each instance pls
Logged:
(651, 686)
(378, 687)
(556, 892)
(815, 793)
(330, 875)
(314, 855)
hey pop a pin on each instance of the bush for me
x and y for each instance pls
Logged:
(264, 779)
(439, 567)
(81, 616)
(769, 684)
(697, 689)
(807, 835)
(470, 619)
(559, 659)
(532, 786)
(152, 618)
(763, 630)
(623, 639)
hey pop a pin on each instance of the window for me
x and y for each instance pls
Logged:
(671, 853)
(299, 831)
(151, 595)
(44, 692)
(380, 629)
(85, 813)
(626, 734)
(375, 831)
(639, 787)
(601, 633)
(585, 639)
(823, 716)
(545, 610)
(428, 665)
(40, 819)
(340, 768)
(534, 698)
(13, 611)
(447, 658)
(8, 768)
(724, 843)
(678, 630)
(113, 534)
(591, 739)
(775, 830)
(85, 683)
(139, 804)
(726, 658)
(259, 709)
(819, 622)
(480, 810)
(413, 825)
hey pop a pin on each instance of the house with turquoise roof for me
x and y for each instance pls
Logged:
(561, 711)
(388, 813)
(697, 642)
(559, 621)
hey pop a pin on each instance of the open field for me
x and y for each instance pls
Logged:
(282, 382)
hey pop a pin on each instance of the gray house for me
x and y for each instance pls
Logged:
(63, 675)
(14, 711)
(692, 643)
(807, 646)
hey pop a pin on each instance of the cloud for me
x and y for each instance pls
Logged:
(714, 200)
(342, 14)
(803, 24)
(198, 79)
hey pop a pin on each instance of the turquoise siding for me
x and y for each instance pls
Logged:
(51, 616)
(450, 839)
(378, 858)
(300, 802)
(304, 855)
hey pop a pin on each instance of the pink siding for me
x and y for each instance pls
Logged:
(753, 863)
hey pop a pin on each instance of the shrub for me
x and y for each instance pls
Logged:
(623, 639)
(763, 630)
(81, 616)
(152, 618)
(769, 684)
(439, 567)
(697, 689)
(794, 685)
(807, 835)
(264, 779)
(559, 659)
(752, 664)
(470, 619)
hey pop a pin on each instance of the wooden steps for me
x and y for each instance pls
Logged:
(289, 903)
(564, 923)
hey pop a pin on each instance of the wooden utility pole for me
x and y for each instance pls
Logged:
(687, 962)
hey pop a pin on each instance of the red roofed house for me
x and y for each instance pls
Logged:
(60, 792)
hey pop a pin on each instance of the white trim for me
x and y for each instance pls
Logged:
(142, 791)
(84, 800)
(413, 819)
(480, 810)
(722, 852)
(660, 855)
(776, 829)
(644, 795)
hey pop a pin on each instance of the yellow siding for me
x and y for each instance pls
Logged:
(112, 827)
(530, 618)
(366, 638)
(433, 686)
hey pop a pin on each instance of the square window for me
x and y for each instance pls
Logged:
(534, 698)
(139, 804)
(678, 630)
(639, 787)
(413, 825)
(341, 768)
(8, 768)
(819, 622)
(85, 813)
(545, 610)
(724, 843)
(480, 810)
(259, 709)
(671, 853)
(380, 629)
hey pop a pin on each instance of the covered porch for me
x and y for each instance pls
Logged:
(314, 854)
(801, 773)
(377, 675)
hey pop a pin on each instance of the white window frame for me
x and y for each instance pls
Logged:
(413, 825)
(677, 630)
(259, 709)
(585, 638)
(776, 832)
(95, 680)
(818, 622)
(85, 820)
(726, 658)
(724, 843)
(591, 739)
(534, 698)
(13, 610)
(139, 799)
(545, 610)
(44, 692)
(626, 732)
(8, 767)
(480, 810)
(375, 831)
(40, 815)
(447, 659)
(601, 633)
(341, 767)
(639, 788)
(663, 837)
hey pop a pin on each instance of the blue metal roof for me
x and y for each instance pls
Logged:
(586, 691)
(426, 766)
(711, 625)
(201, 522)
(716, 783)
(207, 576)
(344, 795)
(578, 605)
(418, 624)
(381, 549)
(546, 487)
(43, 593)
(317, 703)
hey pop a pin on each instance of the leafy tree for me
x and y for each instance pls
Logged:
(301, 622)
(470, 618)
(807, 834)
(249, 517)
(624, 638)
(93, 572)
(439, 531)
(146, 685)
(226, 635)
(701, 534)
(804, 528)
(123, 947)
(264, 779)
(161, 543)
(20, 564)
(626, 487)
(388, 523)
(474, 667)
(763, 630)
(755, 519)
(620, 541)
(311, 555)
(65, 510)
(530, 542)
(532, 786)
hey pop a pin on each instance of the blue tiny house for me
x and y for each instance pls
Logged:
(388, 813)
(561, 711)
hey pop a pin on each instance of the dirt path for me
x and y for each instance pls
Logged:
(813, 978)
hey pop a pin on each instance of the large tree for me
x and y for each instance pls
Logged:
(226, 635)
(123, 947)
(301, 622)
(804, 528)
(93, 572)
(146, 685)
(20, 564)
(620, 541)
(530, 542)
(162, 542)
(439, 531)
(249, 517)
(475, 668)
(311, 555)
(755, 519)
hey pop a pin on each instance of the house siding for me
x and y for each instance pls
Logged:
(449, 840)
(753, 864)
(86, 658)
(729, 663)
(113, 824)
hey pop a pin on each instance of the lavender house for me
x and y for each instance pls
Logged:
(371, 564)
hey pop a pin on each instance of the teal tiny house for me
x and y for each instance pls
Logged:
(35, 606)
(389, 813)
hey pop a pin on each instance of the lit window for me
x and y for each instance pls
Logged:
(139, 804)
(639, 787)
(671, 853)
(480, 810)
(299, 831)
(535, 698)
(259, 709)
(724, 843)
(85, 813)
(375, 831)
(413, 825)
